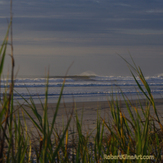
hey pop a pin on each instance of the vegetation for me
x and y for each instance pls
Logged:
(141, 134)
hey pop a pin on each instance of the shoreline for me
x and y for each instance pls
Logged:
(89, 111)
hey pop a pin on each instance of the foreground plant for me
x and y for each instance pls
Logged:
(7, 102)
(138, 134)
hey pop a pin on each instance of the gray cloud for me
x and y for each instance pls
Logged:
(85, 28)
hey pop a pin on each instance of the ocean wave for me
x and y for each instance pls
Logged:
(80, 87)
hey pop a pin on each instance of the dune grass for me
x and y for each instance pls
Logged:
(141, 134)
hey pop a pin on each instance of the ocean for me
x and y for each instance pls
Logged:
(82, 88)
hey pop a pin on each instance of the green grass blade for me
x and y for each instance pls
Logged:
(61, 140)
(57, 107)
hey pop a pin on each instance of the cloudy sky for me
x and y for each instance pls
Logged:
(54, 33)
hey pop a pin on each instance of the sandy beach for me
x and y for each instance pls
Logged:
(90, 110)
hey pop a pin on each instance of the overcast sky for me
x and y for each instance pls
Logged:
(91, 33)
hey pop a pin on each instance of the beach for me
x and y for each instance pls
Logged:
(90, 111)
